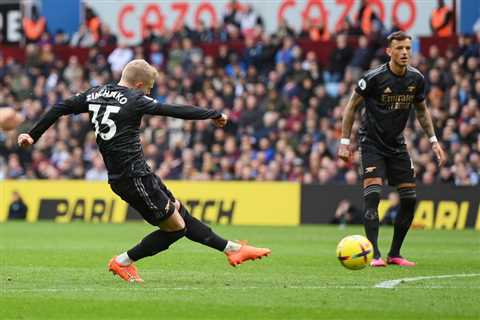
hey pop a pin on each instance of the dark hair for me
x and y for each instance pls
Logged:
(399, 36)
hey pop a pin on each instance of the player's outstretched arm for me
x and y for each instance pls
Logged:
(45, 122)
(49, 118)
(354, 102)
(425, 120)
(76, 104)
(72, 105)
(186, 112)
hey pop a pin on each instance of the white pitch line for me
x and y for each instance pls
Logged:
(390, 284)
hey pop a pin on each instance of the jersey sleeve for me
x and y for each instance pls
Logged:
(74, 105)
(364, 86)
(146, 105)
(420, 92)
(151, 106)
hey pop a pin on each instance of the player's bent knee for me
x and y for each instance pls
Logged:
(181, 223)
(183, 211)
(160, 215)
(174, 222)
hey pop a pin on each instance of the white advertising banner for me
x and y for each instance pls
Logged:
(129, 19)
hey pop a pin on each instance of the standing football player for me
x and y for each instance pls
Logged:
(116, 112)
(388, 93)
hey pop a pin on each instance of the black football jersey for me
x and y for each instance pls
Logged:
(115, 115)
(388, 100)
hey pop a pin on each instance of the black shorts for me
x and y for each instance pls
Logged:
(148, 195)
(396, 168)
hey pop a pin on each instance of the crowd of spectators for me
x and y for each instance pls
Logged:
(285, 107)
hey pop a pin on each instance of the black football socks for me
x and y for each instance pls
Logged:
(154, 243)
(371, 196)
(403, 220)
(199, 232)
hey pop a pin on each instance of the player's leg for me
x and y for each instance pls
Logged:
(401, 169)
(171, 230)
(157, 209)
(236, 253)
(195, 229)
(373, 167)
(199, 232)
(372, 188)
(402, 223)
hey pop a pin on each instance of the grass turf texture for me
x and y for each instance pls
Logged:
(58, 271)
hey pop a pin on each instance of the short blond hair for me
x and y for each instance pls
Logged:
(139, 70)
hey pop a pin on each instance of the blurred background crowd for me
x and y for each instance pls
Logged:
(285, 107)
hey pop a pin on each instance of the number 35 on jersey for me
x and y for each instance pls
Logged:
(106, 121)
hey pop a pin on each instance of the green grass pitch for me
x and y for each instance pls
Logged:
(58, 271)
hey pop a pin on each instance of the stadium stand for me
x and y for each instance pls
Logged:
(283, 92)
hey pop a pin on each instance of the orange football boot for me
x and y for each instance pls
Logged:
(246, 253)
(127, 273)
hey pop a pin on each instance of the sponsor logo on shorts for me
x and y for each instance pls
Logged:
(370, 169)
(362, 84)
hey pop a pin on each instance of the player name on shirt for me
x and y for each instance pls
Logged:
(108, 94)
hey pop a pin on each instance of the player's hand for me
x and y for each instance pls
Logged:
(439, 153)
(344, 152)
(25, 140)
(221, 122)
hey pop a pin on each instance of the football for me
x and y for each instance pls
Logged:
(355, 252)
(9, 119)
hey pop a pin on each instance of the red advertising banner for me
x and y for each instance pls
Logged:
(129, 19)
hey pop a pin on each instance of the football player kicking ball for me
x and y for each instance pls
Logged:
(388, 93)
(116, 112)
